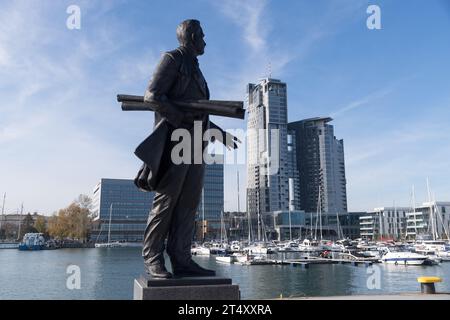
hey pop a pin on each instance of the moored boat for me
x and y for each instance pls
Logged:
(32, 242)
(403, 258)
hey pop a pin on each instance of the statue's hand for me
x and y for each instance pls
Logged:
(231, 141)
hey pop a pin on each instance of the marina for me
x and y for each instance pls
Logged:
(107, 273)
(346, 251)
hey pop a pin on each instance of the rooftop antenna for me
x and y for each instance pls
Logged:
(269, 67)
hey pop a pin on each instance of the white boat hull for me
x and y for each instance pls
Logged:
(109, 245)
(405, 262)
(200, 251)
(226, 259)
(404, 258)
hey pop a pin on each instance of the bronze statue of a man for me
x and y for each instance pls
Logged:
(177, 77)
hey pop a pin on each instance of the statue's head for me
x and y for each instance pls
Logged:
(190, 35)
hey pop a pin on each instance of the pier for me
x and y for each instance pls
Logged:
(305, 262)
(9, 245)
(340, 258)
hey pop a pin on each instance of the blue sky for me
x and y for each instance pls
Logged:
(388, 90)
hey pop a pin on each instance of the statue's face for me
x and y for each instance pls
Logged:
(199, 42)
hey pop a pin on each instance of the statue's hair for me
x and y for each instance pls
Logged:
(185, 30)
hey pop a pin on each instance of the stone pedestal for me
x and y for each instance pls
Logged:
(191, 288)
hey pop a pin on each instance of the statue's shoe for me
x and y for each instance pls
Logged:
(158, 270)
(192, 269)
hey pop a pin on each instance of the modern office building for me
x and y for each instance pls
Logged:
(211, 203)
(289, 225)
(320, 164)
(300, 224)
(120, 210)
(267, 148)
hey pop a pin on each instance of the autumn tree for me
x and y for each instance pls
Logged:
(72, 222)
(40, 225)
(84, 201)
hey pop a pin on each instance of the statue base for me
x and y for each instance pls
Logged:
(189, 288)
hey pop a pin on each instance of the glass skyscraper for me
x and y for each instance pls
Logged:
(321, 165)
(120, 210)
(211, 202)
(267, 142)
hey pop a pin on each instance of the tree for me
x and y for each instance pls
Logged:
(71, 222)
(9, 231)
(27, 226)
(40, 225)
(57, 225)
(84, 201)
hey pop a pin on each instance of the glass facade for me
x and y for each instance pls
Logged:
(320, 164)
(267, 138)
(212, 200)
(127, 207)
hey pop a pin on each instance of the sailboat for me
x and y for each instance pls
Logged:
(109, 244)
(200, 249)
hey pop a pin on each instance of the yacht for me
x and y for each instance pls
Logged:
(199, 250)
(257, 248)
(331, 246)
(290, 246)
(218, 248)
(235, 246)
(403, 258)
(310, 246)
(113, 244)
(226, 259)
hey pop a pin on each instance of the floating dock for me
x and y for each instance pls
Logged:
(305, 262)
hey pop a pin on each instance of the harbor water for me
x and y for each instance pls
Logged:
(108, 273)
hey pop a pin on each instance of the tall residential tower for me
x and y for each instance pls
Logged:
(267, 188)
(321, 166)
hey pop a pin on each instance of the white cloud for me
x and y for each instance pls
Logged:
(51, 102)
(248, 15)
(367, 100)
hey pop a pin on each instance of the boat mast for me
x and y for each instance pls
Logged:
(203, 215)
(339, 233)
(249, 227)
(20, 222)
(433, 229)
(414, 211)
(3, 209)
(259, 224)
(381, 224)
(395, 221)
(439, 216)
(317, 215)
(320, 214)
(291, 205)
(3, 206)
(223, 230)
(109, 227)
(238, 199)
